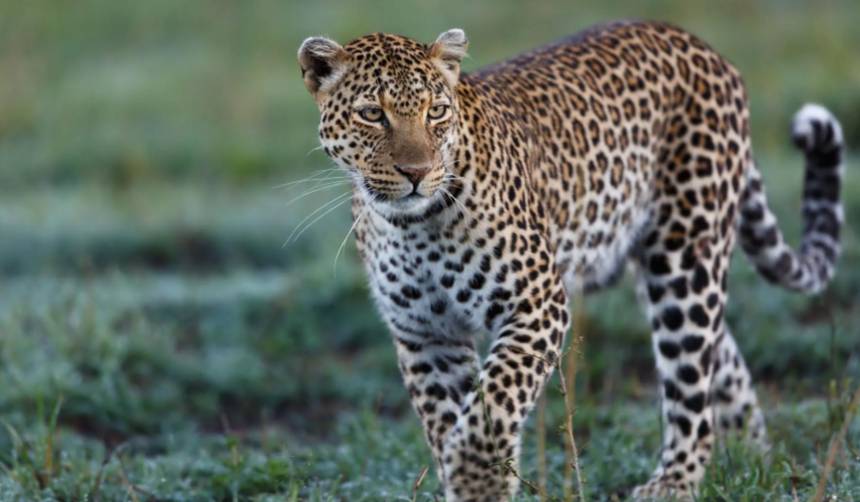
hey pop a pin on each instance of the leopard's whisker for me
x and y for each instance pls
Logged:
(312, 150)
(456, 201)
(314, 190)
(314, 177)
(337, 199)
(323, 215)
(453, 177)
(345, 238)
(330, 177)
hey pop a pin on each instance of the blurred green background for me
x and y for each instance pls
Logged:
(159, 341)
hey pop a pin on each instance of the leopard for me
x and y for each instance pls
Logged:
(483, 202)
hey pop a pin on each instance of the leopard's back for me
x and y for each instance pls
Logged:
(603, 120)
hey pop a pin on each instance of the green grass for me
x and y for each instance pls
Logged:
(181, 372)
(159, 341)
(123, 92)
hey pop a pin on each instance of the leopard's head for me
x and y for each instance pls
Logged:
(388, 113)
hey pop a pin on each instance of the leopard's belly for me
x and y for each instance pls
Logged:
(597, 265)
(600, 215)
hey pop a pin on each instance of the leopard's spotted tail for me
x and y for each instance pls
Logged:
(808, 269)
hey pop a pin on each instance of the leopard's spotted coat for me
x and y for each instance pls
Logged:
(483, 201)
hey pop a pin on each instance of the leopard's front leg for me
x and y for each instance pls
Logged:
(481, 454)
(438, 374)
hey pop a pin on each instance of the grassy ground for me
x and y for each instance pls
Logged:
(159, 342)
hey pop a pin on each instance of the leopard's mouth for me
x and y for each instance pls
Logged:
(407, 202)
(406, 194)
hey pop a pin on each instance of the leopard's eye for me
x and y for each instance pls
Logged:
(372, 114)
(438, 112)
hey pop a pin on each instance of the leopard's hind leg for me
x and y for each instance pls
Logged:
(736, 408)
(683, 259)
(685, 298)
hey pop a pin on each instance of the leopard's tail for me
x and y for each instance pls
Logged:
(808, 269)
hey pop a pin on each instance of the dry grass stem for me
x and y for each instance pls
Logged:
(566, 374)
(541, 445)
(835, 445)
(418, 480)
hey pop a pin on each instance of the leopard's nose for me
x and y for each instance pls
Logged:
(414, 173)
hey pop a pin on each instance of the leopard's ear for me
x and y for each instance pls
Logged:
(323, 63)
(447, 52)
